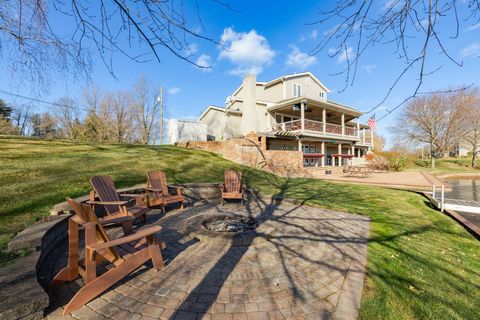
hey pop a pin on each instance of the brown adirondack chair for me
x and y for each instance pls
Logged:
(125, 254)
(104, 188)
(232, 188)
(158, 191)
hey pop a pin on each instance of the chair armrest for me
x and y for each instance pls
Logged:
(131, 195)
(154, 189)
(108, 203)
(133, 237)
(112, 219)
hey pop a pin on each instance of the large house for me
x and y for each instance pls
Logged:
(292, 112)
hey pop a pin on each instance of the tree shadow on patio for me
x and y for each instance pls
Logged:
(278, 286)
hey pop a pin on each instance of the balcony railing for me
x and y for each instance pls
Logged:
(316, 126)
(289, 126)
(313, 125)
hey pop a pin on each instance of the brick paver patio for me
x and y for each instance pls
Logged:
(308, 264)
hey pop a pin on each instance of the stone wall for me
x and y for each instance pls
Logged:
(251, 151)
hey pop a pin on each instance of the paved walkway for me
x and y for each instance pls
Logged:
(309, 265)
(409, 180)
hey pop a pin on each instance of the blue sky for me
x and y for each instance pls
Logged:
(278, 41)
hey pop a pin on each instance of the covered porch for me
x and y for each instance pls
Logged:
(321, 152)
(319, 119)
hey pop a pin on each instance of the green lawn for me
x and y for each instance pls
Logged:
(445, 166)
(421, 264)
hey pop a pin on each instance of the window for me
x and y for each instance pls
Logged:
(278, 118)
(297, 90)
(322, 94)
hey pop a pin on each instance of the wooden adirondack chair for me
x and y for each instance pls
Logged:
(232, 188)
(125, 254)
(158, 191)
(104, 188)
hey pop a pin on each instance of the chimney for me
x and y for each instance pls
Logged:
(249, 116)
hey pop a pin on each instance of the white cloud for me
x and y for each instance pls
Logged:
(369, 68)
(204, 62)
(342, 55)
(248, 51)
(192, 48)
(173, 90)
(474, 27)
(302, 38)
(298, 59)
(471, 50)
(314, 34)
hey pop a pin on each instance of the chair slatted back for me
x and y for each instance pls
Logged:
(106, 191)
(158, 180)
(233, 181)
(84, 215)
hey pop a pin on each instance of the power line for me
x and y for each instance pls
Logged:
(34, 99)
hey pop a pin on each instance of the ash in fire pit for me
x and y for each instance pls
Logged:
(231, 224)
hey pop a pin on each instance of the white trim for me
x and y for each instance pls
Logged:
(204, 113)
(268, 84)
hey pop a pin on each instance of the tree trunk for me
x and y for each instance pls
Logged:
(432, 157)
(474, 157)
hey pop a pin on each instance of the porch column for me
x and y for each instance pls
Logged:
(359, 153)
(300, 145)
(371, 136)
(339, 152)
(363, 133)
(324, 120)
(323, 152)
(343, 124)
(353, 150)
(358, 128)
(302, 114)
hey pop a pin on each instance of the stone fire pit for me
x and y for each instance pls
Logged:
(227, 228)
(230, 223)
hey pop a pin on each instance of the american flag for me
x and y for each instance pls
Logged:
(372, 123)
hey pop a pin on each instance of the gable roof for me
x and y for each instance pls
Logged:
(218, 109)
(296, 75)
(215, 108)
(280, 79)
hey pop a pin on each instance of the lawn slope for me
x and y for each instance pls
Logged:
(421, 264)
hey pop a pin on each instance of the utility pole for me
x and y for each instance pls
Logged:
(160, 98)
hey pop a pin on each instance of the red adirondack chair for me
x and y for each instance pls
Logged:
(232, 188)
(104, 188)
(125, 255)
(159, 194)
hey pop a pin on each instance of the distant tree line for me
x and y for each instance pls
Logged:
(130, 116)
(443, 122)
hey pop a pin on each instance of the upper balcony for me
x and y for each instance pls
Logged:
(317, 127)
(319, 119)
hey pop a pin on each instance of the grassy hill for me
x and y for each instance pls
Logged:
(421, 264)
(445, 166)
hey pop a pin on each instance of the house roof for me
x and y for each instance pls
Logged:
(328, 104)
(219, 109)
(296, 75)
(210, 108)
(267, 84)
